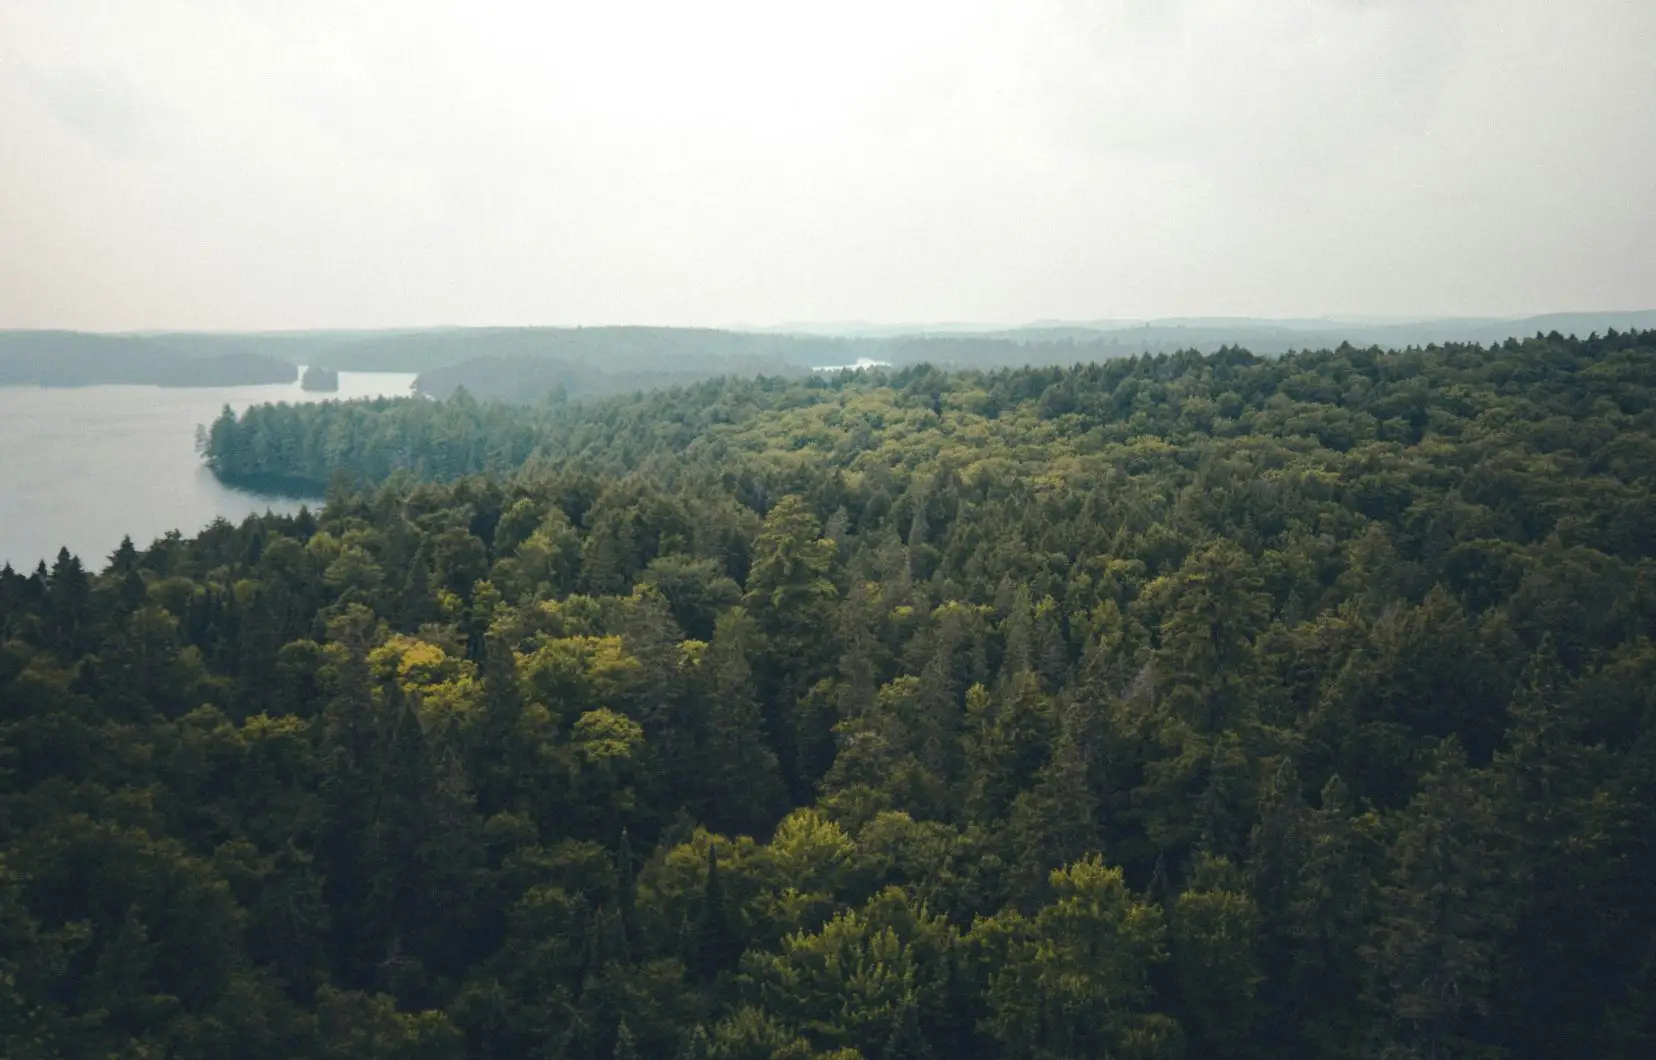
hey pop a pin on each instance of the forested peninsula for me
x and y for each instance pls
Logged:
(1187, 705)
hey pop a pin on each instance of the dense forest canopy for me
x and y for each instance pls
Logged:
(1185, 705)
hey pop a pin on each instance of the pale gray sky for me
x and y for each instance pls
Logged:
(329, 163)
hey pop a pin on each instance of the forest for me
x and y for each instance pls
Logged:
(1184, 705)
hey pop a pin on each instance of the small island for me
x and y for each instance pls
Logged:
(319, 378)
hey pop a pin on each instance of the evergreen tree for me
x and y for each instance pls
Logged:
(716, 943)
(742, 777)
(1436, 937)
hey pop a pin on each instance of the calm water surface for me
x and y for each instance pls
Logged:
(82, 467)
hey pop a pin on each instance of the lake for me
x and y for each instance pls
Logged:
(82, 467)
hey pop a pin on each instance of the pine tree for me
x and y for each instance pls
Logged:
(717, 942)
(695, 1045)
(125, 557)
(741, 774)
(1055, 823)
(68, 605)
(625, 1047)
(907, 1041)
(626, 891)
(1433, 957)
(416, 605)
(1564, 825)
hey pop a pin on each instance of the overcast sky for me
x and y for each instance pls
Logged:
(356, 163)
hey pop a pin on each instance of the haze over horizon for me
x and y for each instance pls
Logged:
(308, 165)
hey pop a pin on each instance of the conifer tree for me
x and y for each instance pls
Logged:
(742, 777)
(1436, 938)
(716, 943)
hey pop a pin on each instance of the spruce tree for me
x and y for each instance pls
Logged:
(716, 941)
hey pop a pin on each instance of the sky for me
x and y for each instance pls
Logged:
(262, 164)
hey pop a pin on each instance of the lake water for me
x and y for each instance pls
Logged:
(862, 363)
(81, 467)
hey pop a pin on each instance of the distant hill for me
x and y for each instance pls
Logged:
(601, 362)
(67, 358)
(525, 363)
(1279, 336)
(1261, 334)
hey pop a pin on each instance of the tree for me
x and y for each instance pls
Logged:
(1214, 936)
(1206, 658)
(1074, 979)
(1433, 955)
(716, 943)
(743, 780)
(791, 600)
(854, 982)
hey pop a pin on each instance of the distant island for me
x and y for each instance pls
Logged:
(317, 377)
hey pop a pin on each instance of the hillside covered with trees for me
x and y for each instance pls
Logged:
(1175, 706)
(67, 358)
